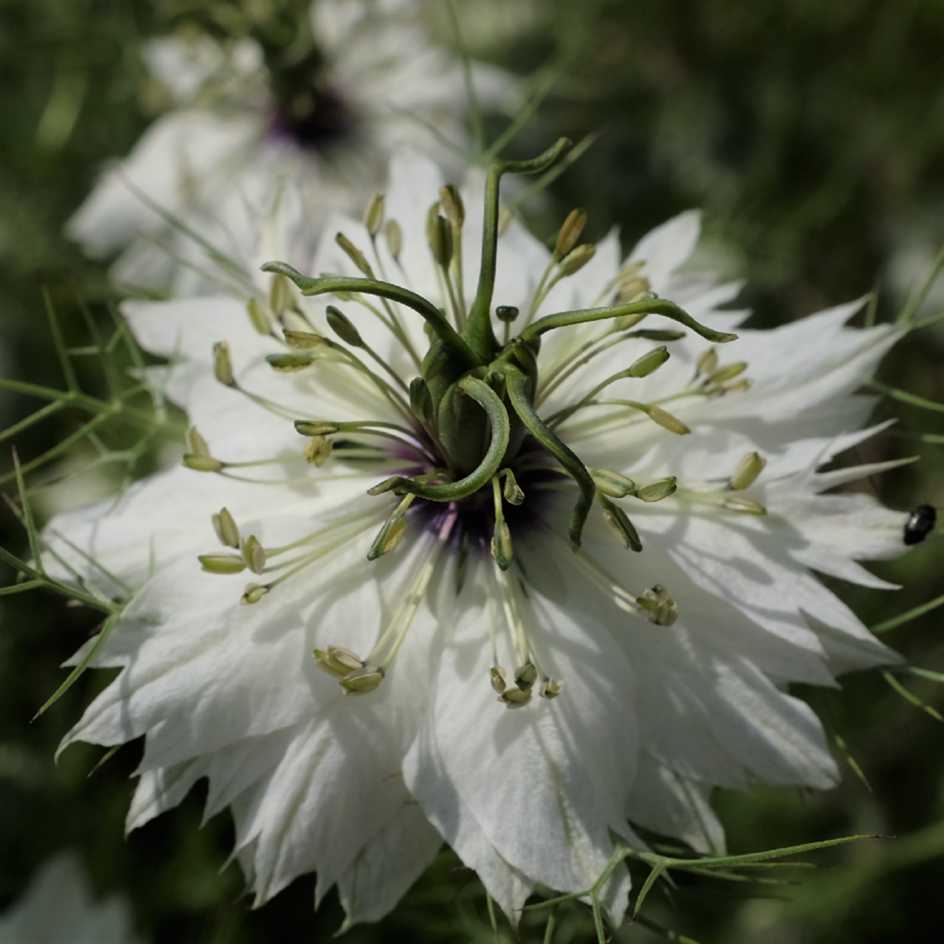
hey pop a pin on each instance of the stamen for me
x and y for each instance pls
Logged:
(569, 234)
(654, 605)
(642, 367)
(747, 471)
(337, 661)
(223, 364)
(254, 554)
(222, 563)
(613, 484)
(374, 216)
(617, 519)
(656, 491)
(501, 545)
(226, 528)
(391, 534)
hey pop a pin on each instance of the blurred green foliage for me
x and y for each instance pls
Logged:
(813, 136)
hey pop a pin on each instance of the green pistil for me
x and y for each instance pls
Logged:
(478, 330)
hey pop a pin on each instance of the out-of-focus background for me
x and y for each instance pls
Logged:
(812, 135)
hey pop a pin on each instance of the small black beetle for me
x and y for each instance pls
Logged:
(920, 524)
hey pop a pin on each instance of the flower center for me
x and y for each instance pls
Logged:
(475, 459)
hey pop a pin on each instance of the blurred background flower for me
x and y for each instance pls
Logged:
(813, 136)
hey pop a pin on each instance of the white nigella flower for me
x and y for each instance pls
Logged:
(327, 114)
(514, 554)
(57, 908)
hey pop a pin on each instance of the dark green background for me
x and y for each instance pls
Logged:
(813, 136)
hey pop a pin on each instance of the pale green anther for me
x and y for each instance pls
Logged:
(290, 362)
(201, 463)
(374, 217)
(226, 528)
(302, 340)
(526, 675)
(257, 317)
(667, 420)
(619, 521)
(569, 233)
(280, 295)
(452, 206)
(744, 384)
(222, 563)
(744, 505)
(649, 362)
(550, 688)
(630, 289)
(317, 451)
(656, 491)
(707, 362)
(501, 545)
(576, 259)
(438, 237)
(254, 592)
(343, 327)
(337, 661)
(497, 679)
(511, 491)
(196, 444)
(390, 535)
(629, 321)
(362, 681)
(354, 254)
(515, 697)
(223, 364)
(316, 428)
(658, 605)
(747, 471)
(613, 483)
(254, 554)
(729, 372)
(394, 235)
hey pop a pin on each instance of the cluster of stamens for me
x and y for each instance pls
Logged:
(469, 450)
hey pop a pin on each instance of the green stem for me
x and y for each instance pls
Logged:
(649, 306)
(488, 400)
(517, 385)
